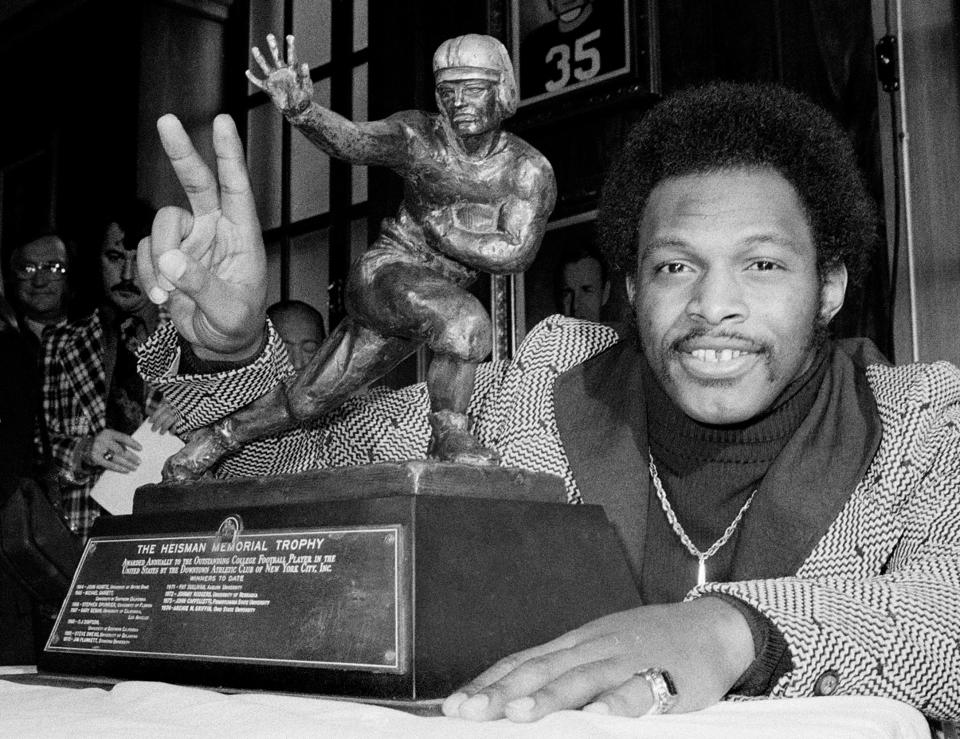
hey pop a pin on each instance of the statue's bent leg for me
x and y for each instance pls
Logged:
(415, 300)
(352, 356)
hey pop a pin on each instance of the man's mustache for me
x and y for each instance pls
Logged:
(125, 286)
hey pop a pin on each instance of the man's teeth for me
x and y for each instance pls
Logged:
(712, 355)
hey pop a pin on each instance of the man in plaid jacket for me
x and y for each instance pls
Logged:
(92, 402)
(789, 505)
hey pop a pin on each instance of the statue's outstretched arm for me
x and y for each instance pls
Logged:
(289, 86)
(499, 239)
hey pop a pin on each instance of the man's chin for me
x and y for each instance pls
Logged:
(717, 401)
(715, 413)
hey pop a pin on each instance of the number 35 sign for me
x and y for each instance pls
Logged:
(565, 45)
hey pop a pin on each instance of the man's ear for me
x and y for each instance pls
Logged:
(833, 288)
(605, 294)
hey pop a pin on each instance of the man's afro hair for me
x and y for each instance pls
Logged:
(727, 125)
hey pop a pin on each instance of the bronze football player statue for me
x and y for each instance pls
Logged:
(476, 199)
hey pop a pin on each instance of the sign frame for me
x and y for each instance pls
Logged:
(71, 611)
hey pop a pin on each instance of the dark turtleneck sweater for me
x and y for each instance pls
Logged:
(708, 473)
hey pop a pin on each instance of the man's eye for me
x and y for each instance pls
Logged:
(764, 265)
(672, 268)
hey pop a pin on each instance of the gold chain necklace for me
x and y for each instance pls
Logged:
(702, 557)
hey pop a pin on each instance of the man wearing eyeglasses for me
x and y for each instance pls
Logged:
(40, 271)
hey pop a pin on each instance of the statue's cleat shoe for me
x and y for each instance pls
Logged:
(453, 442)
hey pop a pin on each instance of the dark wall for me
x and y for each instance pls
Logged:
(70, 117)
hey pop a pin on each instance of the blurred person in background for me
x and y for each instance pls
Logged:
(584, 284)
(301, 327)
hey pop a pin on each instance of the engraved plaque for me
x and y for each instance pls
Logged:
(437, 571)
(318, 597)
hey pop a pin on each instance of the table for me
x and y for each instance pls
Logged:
(160, 709)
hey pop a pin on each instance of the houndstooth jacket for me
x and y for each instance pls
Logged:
(75, 408)
(868, 594)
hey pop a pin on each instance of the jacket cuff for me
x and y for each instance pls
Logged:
(772, 658)
(191, 364)
(76, 450)
(204, 397)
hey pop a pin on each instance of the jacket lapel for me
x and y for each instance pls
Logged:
(601, 418)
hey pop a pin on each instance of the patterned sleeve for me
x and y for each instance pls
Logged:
(66, 441)
(380, 425)
(205, 398)
(875, 610)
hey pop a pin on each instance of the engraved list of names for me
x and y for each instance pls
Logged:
(326, 597)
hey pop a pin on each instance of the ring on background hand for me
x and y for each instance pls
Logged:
(663, 689)
(108, 455)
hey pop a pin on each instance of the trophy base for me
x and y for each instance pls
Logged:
(388, 582)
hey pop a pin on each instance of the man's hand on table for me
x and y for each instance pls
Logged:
(704, 644)
(208, 263)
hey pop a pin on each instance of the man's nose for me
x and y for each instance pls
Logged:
(40, 277)
(717, 297)
(297, 358)
(130, 266)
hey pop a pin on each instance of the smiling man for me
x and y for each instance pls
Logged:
(789, 504)
(730, 302)
(40, 268)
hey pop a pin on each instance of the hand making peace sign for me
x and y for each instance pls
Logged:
(208, 263)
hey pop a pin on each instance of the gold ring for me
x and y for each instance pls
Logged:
(108, 455)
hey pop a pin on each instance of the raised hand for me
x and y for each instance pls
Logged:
(208, 263)
(704, 644)
(287, 83)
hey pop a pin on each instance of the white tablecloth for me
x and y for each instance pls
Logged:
(134, 709)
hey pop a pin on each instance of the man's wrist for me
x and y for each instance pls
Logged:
(241, 356)
(83, 454)
(192, 362)
(731, 634)
(296, 114)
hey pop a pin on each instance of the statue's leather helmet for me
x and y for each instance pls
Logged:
(476, 57)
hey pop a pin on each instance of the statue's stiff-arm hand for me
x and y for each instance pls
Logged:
(208, 263)
(286, 82)
(289, 86)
